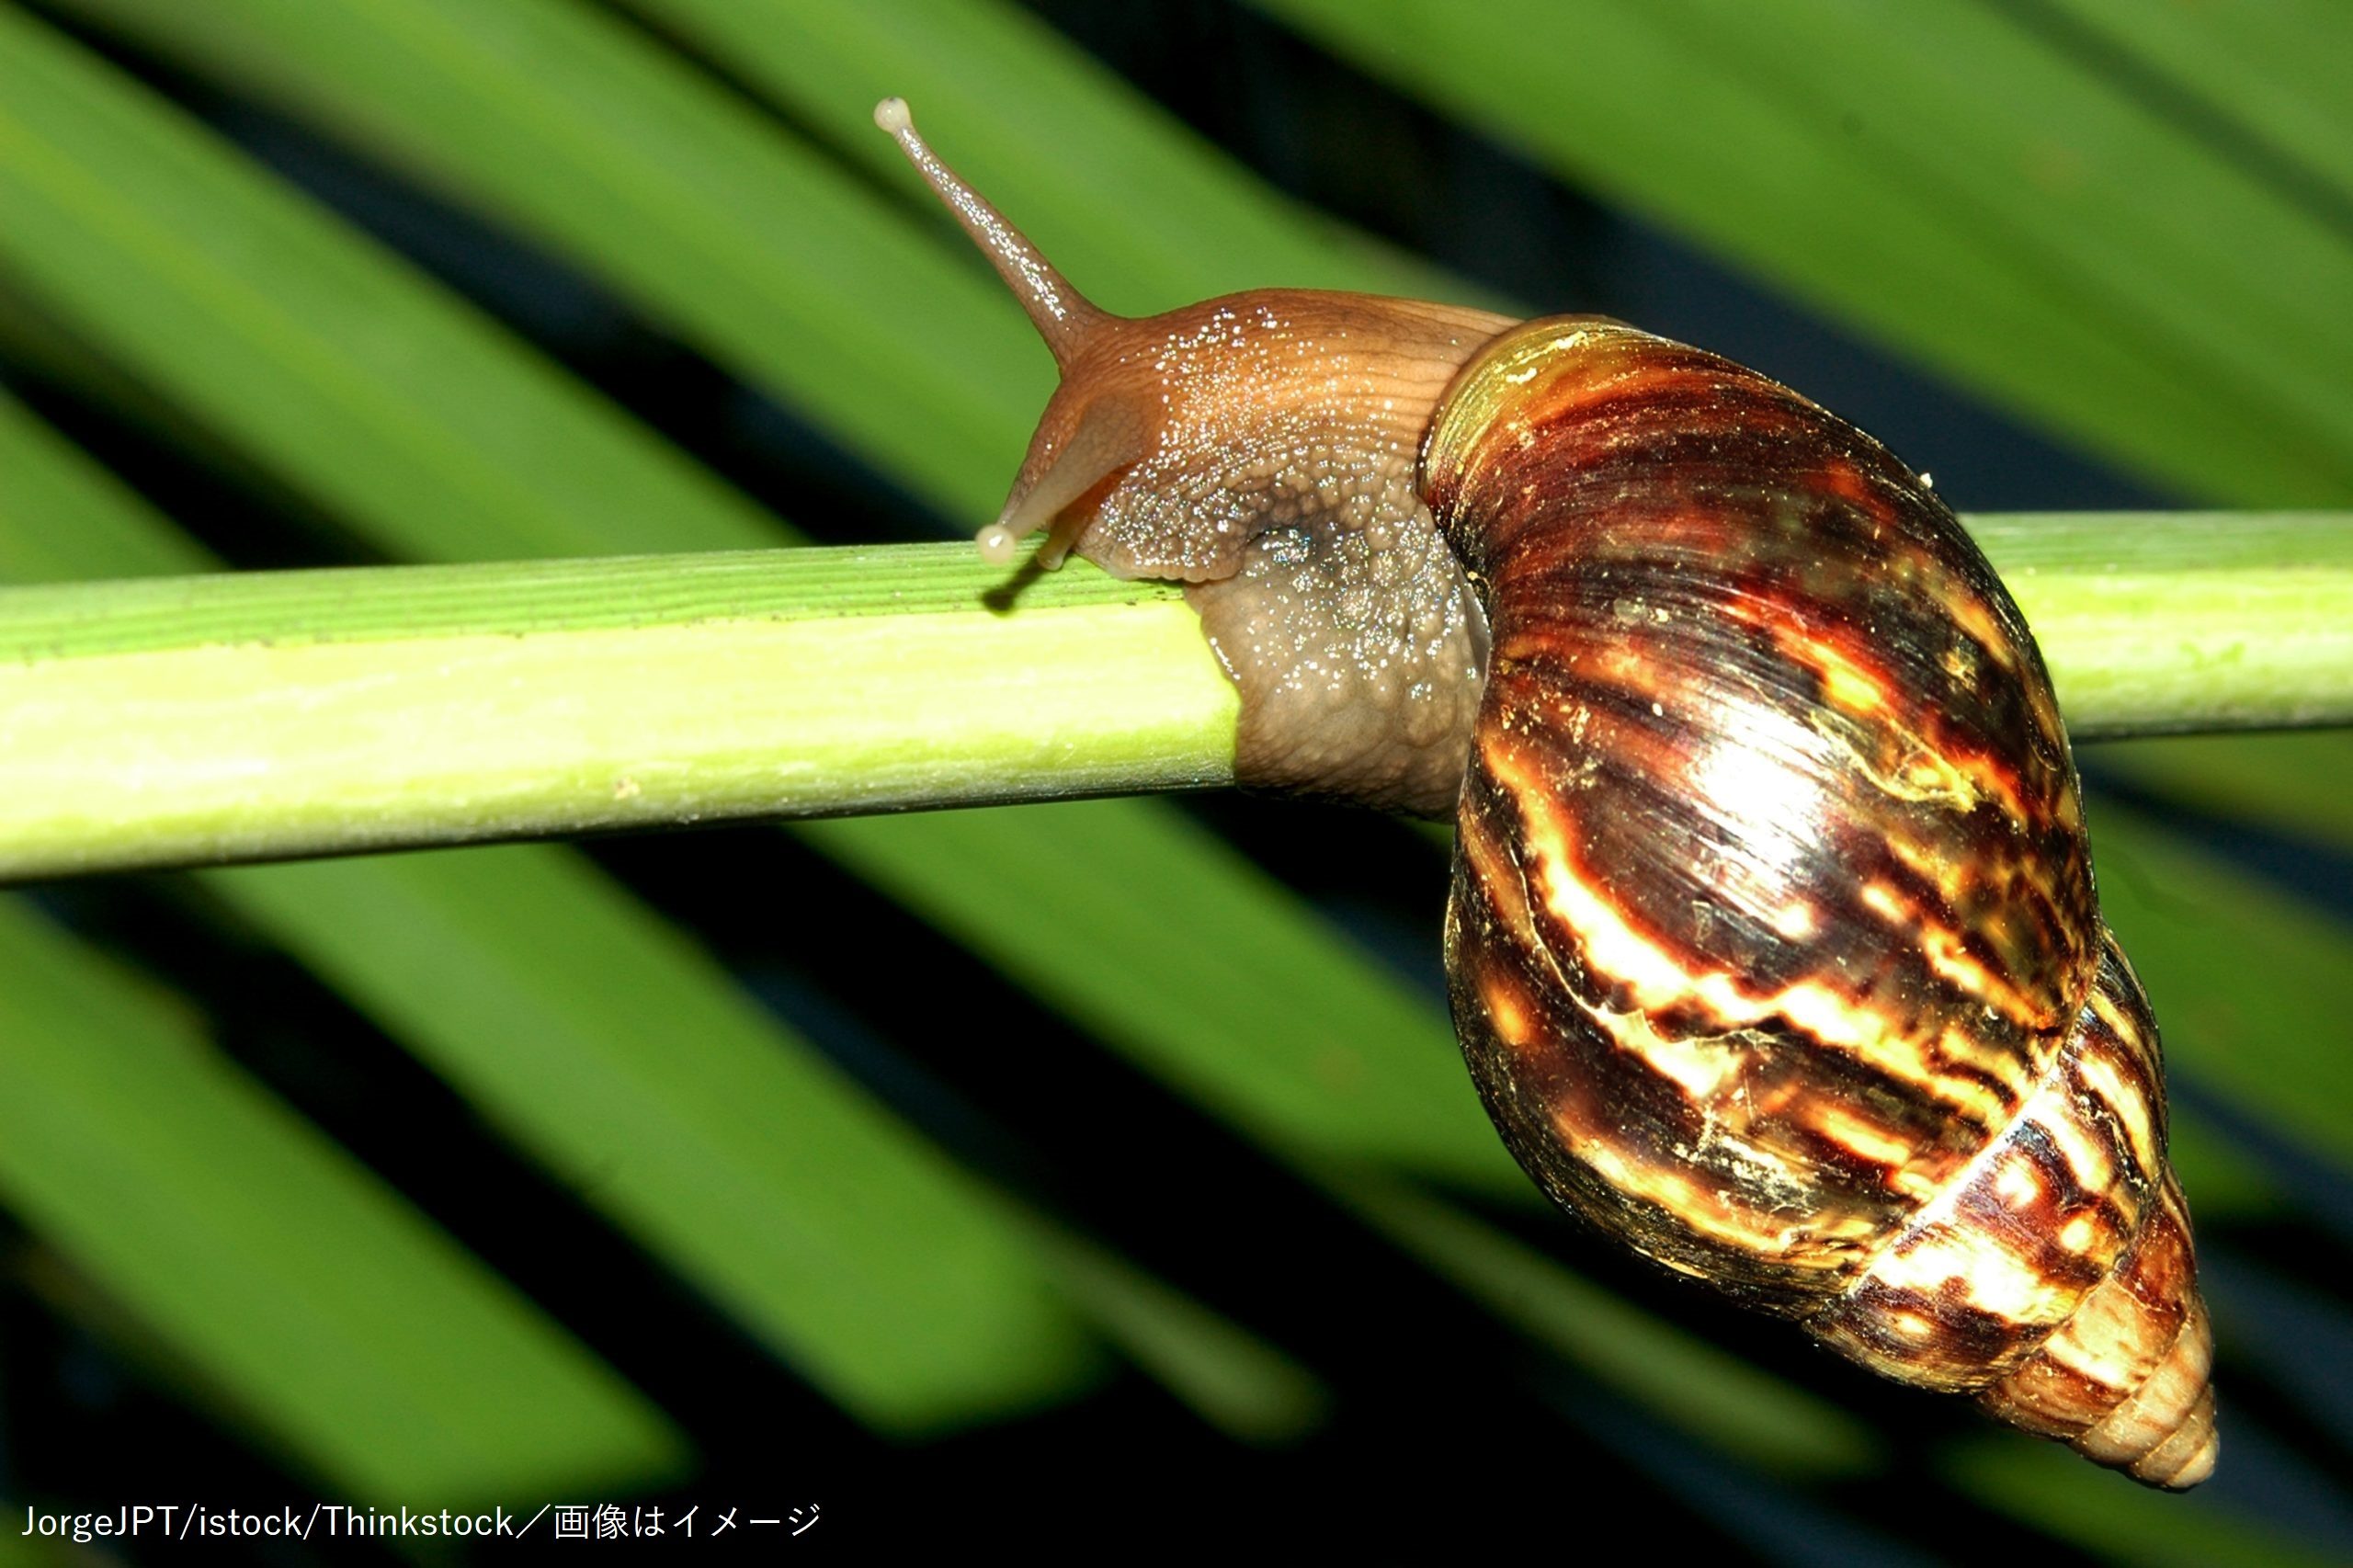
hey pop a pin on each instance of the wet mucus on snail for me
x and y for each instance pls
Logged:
(1772, 942)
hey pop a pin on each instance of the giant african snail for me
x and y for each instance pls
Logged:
(1772, 941)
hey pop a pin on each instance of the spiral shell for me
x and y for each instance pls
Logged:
(1772, 941)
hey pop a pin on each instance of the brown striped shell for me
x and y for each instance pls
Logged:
(1772, 941)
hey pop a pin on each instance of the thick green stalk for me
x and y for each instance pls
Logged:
(205, 719)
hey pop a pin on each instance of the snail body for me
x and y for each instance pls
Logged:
(1772, 942)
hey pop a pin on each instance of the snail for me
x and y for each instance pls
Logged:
(1772, 942)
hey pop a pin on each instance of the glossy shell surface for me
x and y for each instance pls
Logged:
(1772, 941)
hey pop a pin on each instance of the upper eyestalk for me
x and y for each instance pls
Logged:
(1064, 317)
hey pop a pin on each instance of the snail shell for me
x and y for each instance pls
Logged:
(1772, 941)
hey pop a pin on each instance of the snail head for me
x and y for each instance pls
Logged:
(1176, 441)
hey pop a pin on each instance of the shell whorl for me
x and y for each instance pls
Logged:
(1773, 943)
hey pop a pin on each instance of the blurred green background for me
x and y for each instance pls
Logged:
(1027, 1175)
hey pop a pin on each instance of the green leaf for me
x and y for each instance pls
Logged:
(62, 515)
(342, 1322)
(321, 354)
(751, 244)
(1943, 178)
(632, 1066)
(1132, 205)
(2292, 783)
(2277, 73)
(1236, 1382)
(1300, 1040)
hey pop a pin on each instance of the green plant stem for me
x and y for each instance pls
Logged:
(273, 715)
